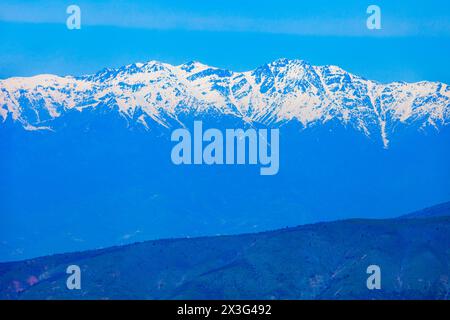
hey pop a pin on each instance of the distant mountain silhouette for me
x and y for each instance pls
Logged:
(318, 261)
(440, 210)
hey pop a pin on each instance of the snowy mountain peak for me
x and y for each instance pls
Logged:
(281, 91)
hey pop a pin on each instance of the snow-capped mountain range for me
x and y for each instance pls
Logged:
(155, 93)
(98, 172)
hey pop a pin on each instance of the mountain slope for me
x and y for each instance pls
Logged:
(319, 261)
(441, 210)
(155, 93)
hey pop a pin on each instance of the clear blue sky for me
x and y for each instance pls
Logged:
(412, 45)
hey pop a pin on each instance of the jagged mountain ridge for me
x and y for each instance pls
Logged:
(281, 91)
(316, 261)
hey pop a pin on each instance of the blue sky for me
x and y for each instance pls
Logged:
(412, 45)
